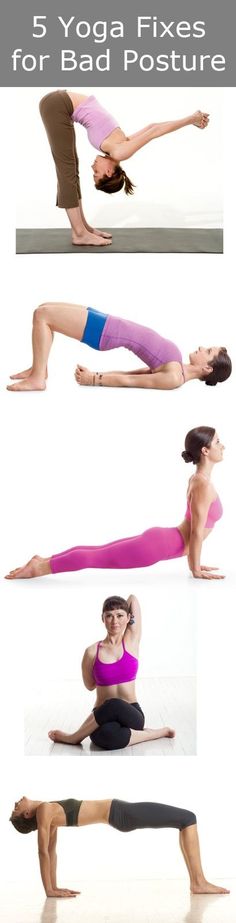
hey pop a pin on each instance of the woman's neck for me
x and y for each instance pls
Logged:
(114, 641)
(205, 470)
(191, 372)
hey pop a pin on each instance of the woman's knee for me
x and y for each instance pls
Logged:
(111, 736)
(41, 313)
(188, 819)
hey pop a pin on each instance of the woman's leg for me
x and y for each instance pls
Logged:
(126, 816)
(115, 712)
(110, 727)
(85, 730)
(69, 319)
(81, 236)
(189, 845)
(56, 109)
(154, 545)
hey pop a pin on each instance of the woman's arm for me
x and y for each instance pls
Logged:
(200, 503)
(47, 854)
(87, 667)
(159, 380)
(53, 857)
(124, 149)
(43, 823)
(135, 624)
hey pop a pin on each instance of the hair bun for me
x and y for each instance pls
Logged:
(186, 456)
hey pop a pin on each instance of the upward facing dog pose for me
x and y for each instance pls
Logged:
(111, 667)
(47, 816)
(164, 370)
(59, 111)
(203, 448)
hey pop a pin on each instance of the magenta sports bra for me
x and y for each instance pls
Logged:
(214, 513)
(123, 670)
(98, 122)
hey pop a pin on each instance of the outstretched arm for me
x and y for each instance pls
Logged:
(159, 380)
(124, 149)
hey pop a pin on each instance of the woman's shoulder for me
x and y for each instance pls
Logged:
(91, 651)
(199, 487)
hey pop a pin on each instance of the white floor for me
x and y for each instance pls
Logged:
(165, 701)
(118, 902)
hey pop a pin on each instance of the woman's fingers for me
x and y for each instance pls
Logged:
(208, 568)
(206, 575)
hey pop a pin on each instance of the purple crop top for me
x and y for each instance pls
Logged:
(214, 513)
(98, 122)
(123, 670)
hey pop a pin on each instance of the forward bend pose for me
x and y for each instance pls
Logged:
(59, 111)
(47, 816)
(110, 667)
(204, 449)
(164, 369)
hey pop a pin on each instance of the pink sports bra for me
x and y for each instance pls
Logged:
(123, 670)
(214, 513)
(98, 122)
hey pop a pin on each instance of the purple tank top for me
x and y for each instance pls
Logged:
(214, 513)
(112, 674)
(98, 122)
(145, 343)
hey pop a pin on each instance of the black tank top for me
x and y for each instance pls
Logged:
(71, 807)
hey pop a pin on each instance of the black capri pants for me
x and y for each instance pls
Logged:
(56, 110)
(116, 718)
(127, 816)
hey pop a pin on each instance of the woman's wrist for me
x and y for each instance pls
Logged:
(97, 379)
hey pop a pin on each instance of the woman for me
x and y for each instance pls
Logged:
(204, 449)
(111, 667)
(59, 111)
(46, 817)
(164, 366)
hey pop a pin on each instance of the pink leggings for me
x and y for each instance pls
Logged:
(139, 551)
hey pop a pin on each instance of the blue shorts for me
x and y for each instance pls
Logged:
(94, 328)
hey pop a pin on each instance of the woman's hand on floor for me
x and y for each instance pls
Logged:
(208, 573)
(83, 376)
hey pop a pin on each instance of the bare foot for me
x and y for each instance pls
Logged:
(60, 738)
(200, 119)
(167, 732)
(28, 384)
(204, 887)
(90, 240)
(25, 374)
(36, 567)
(105, 234)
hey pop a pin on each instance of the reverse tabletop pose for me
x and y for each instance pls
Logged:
(111, 667)
(59, 111)
(204, 449)
(47, 816)
(164, 369)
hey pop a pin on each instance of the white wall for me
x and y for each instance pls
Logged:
(178, 178)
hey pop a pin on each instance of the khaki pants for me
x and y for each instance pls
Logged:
(56, 110)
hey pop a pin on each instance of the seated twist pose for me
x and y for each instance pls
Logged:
(59, 111)
(164, 369)
(47, 816)
(204, 449)
(110, 667)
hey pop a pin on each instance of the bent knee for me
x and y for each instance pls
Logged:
(41, 312)
(188, 820)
